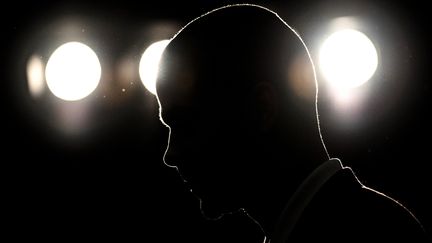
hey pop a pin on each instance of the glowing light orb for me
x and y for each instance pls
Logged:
(348, 59)
(149, 64)
(73, 71)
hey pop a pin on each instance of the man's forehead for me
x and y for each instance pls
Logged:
(189, 72)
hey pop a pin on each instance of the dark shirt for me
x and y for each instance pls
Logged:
(338, 208)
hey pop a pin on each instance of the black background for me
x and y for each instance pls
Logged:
(110, 182)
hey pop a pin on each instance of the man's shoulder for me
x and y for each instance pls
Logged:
(344, 207)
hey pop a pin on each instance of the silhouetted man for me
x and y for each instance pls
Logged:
(232, 87)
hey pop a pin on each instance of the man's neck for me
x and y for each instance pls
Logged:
(271, 196)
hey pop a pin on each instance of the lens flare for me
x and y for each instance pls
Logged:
(35, 76)
(73, 71)
(149, 64)
(348, 59)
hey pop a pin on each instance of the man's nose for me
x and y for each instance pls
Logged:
(174, 151)
(178, 149)
(171, 158)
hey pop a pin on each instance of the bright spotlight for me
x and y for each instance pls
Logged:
(73, 71)
(35, 76)
(348, 59)
(149, 64)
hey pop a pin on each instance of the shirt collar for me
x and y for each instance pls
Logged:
(302, 197)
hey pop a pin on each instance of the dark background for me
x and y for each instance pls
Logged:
(108, 181)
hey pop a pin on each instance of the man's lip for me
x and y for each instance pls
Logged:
(185, 176)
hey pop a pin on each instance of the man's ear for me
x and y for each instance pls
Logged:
(265, 100)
